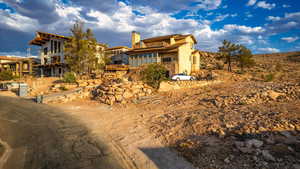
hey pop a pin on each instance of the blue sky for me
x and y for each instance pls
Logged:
(264, 26)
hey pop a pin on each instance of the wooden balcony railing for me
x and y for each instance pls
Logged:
(117, 67)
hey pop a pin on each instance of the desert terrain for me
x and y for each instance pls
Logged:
(250, 120)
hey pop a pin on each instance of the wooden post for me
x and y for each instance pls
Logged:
(17, 69)
(21, 68)
(30, 67)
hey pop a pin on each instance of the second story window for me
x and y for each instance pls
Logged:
(45, 51)
(55, 46)
(51, 46)
(59, 47)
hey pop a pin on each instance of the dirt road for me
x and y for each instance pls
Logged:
(42, 137)
(82, 134)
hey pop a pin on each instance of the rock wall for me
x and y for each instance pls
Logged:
(175, 85)
(67, 96)
(120, 92)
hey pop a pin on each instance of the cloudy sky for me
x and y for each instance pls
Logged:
(262, 25)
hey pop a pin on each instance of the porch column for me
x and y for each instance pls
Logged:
(30, 67)
(17, 69)
(21, 68)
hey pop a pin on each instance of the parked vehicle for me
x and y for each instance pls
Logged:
(183, 76)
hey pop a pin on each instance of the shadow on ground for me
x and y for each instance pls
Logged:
(43, 137)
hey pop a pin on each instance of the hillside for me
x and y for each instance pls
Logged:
(251, 120)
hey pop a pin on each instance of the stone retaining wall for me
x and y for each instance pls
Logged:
(175, 85)
(122, 92)
(67, 96)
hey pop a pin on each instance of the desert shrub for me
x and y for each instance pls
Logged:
(153, 74)
(69, 77)
(269, 77)
(6, 75)
(63, 88)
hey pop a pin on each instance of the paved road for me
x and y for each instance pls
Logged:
(43, 137)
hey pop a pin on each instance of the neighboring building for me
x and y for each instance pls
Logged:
(176, 52)
(53, 59)
(117, 54)
(51, 53)
(19, 66)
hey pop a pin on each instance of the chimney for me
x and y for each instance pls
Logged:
(135, 39)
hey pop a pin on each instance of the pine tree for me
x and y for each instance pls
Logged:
(245, 57)
(228, 53)
(83, 53)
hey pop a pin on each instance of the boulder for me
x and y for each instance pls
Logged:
(267, 156)
(273, 95)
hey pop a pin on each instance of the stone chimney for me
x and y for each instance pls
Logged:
(135, 39)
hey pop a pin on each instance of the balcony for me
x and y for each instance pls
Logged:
(117, 67)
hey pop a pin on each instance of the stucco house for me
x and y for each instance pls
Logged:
(20, 66)
(117, 54)
(176, 52)
(53, 58)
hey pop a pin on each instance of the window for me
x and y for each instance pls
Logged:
(55, 46)
(59, 47)
(51, 46)
(168, 59)
(45, 51)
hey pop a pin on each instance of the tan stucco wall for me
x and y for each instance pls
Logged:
(196, 61)
(184, 59)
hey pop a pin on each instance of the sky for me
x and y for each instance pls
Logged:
(264, 26)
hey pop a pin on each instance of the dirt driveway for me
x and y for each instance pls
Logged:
(44, 137)
(80, 134)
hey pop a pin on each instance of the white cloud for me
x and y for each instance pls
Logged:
(286, 6)
(265, 5)
(17, 22)
(248, 14)
(290, 39)
(268, 50)
(273, 18)
(221, 17)
(244, 29)
(209, 4)
(292, 15)
(251, 2)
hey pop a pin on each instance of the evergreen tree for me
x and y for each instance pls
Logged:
(83, 53)
(231, 53)
(228, 52)
(245, 57)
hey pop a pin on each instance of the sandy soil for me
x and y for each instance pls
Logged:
(126, 126)
(81, 134)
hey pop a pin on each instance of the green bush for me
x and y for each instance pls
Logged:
(269, 77)
(153, 74)
(6, 75)
(69, 77)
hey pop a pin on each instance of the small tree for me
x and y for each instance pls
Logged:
(153, 74)
(6, 75)
(244, 57)
(231, 52)
(69, 77)
(228, 52)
